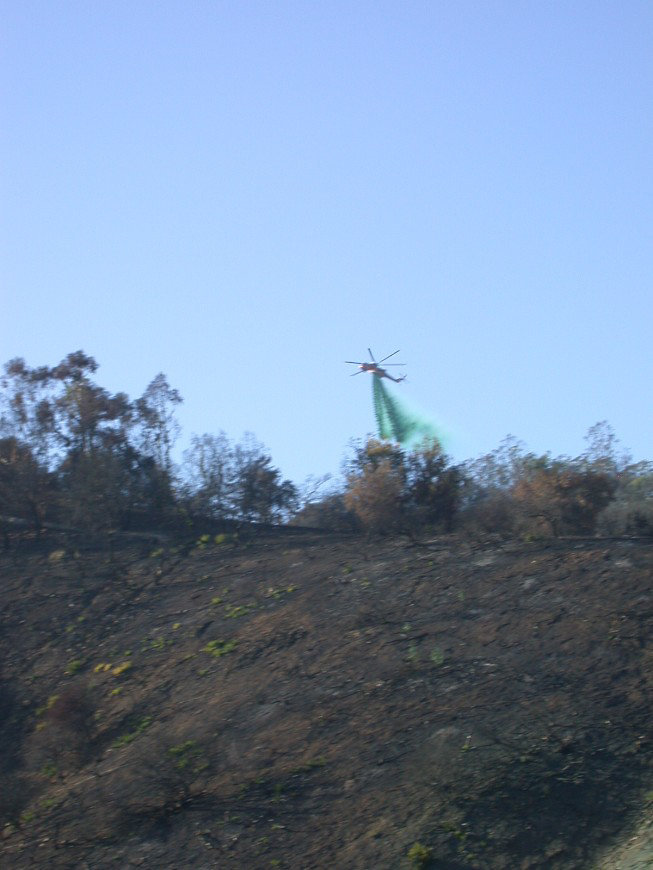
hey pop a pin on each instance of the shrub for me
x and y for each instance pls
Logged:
(433, 489)
(72, 712)
(15, 795)
(375, 495)
(627, 518)
(389, 487)
(631, 512)
(567, 500)
(419, 856)
(328, 513)
(493, 513)
(64, 733)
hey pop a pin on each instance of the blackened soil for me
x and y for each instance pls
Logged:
(324, 702)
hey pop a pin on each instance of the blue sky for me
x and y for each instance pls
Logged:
(245, 194)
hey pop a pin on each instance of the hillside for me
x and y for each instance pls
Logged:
(310, 700)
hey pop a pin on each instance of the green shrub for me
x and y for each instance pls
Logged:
(219, 648)
(420, 856)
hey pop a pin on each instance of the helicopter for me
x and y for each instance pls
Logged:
(374, 367)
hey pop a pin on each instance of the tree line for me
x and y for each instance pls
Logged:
(509, 492)
(74, 455)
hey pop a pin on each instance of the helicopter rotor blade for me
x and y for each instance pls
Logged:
(371, 356)
(356, 373)
(352, 362)
(388, 356)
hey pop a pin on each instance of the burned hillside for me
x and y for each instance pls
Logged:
(317, 700)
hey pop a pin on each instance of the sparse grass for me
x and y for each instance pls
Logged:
(156, 644)
(419, 856)
(461, 838)
(437, 656)
(219, 648)
(455, 831)
(115, 670)
(235, 611)
(141, 725)
(312, 764)
(188, 754)
(49, 770)
(413, 654)
(49, 704)
(271, 592)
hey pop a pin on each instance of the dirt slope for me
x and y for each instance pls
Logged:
(311, 701)
(636, 853)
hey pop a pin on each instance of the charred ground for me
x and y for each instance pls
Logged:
(314, 700)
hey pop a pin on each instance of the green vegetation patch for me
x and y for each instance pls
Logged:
(49, 704)
(281, 592)
(219, 648)
(311, 764)
(437, 656)
(235, 611)
(49, 770)
(187, 755)
(141, 725)
(156, 644)
(419, 856)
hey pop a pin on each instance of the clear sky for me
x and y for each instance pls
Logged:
(245, 194)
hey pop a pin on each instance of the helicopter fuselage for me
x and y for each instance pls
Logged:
(374, 368)
(378, 371)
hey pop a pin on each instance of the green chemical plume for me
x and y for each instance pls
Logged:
(397, 423)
